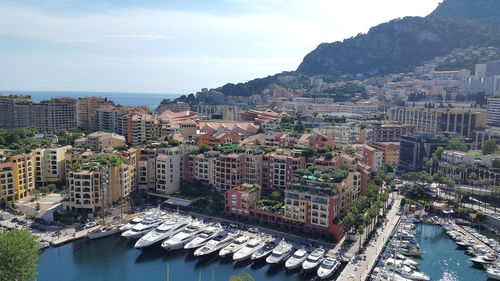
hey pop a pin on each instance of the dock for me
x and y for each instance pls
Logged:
(359, 269)
(460, 229)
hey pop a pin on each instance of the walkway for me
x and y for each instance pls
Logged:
(359, 269)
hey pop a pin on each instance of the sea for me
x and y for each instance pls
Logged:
(151, 100)
(114, 258)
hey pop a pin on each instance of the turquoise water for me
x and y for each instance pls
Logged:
(149, 100)
(442, 259)
(114, 258)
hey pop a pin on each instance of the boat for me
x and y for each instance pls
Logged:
(486, 259)
(493, 272)
(327, 268)
(382, 274)
(280, 253)
(185, 236)
(218, 242)
(131, 224)
(146, 225)
(205, 236)
(314, 259)
(232, 248)
(171, 226)
(296, 259)
(247, 251)
(264, 251)
(398, 262)
(407, 272)
(103, 231)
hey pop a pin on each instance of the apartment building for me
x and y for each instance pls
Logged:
(219, 138)
(49, 115)
(278, 167)
(202, 166)
(7, 189)
(102, 140)
(161, 169)
(50, 166)
(241, 198)
(369, 156)
(23, 174)
(142, 127)
(346, 134)
(229, 171)
(390, 151)
(10, 117)
(87, 112)
(96, 185)
(391, 132)
(433, 120)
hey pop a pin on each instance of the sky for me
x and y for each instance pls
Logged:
(173, 46)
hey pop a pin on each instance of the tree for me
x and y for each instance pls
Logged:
(456, 144)
(299, 127)
(19, 252)
(489, 147)
(243, 276)
(309, 152)
(276, 195)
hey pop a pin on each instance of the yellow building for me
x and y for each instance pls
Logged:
(50, 164)
(23, 174)
(7, 190)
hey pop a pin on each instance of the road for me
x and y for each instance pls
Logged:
(359, 269)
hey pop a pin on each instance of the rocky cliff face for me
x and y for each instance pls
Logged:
(402, 44)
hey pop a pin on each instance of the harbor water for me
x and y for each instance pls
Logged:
(114, 258)
(443, 260)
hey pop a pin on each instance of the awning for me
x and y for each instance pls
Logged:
(176, 202)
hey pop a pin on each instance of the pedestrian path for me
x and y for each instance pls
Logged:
(360, 266)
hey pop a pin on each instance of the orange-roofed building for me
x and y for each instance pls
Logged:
(224, 138)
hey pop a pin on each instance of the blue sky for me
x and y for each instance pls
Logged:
(172, 46)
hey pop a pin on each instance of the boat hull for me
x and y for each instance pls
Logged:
(103, 233)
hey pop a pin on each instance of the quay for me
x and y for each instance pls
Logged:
(460, 229)
(359, 269)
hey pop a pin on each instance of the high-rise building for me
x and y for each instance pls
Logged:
(7, 190)
(278, 167)
(87, 112)
(434, 120)
(50, 164)
(494, 111)
(23, 174)
(49, 115)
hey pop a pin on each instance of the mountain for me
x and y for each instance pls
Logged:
(402, 44)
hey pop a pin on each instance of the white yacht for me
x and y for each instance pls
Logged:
(232, 248)
(314, 259)
(296, 259)
(407, 272)
(382, 274)
(103, 231)
(132, 223)
(486, 259)
(493, 272)
(167, 229)
(142, 228)
(185, 236)
(247, 251)
(280, 253)
(327, 268)
(395, 262)
(202, 238)
(218, 242)
(264, 251)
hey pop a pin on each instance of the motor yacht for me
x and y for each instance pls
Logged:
(131, 224)
(103, 231)
(296, 259)
(218, 242)
(407, 272)
(398, 262)
(167, 229)
(205, 236)
(247, 251)
(382, 274)
(146, 225)
(493, 272)
(280, 253)
(327, 268)
(314, 259)
(264, 251)
(185, 236)
(486, 259)
(232, 248)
